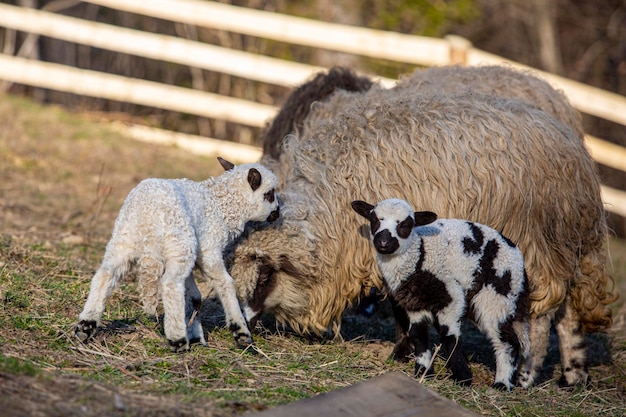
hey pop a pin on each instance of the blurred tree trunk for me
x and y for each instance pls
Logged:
(547, 35)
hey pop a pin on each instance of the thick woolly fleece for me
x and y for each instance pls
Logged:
(166, 227)
(501, 148)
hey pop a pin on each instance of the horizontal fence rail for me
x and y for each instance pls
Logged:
(155, 46)
(392, 46)
(132, 90)
(353, 40)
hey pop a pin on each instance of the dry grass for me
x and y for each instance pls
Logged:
(62, 180)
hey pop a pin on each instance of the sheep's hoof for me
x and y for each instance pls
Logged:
(86, 329)
(179, 345)
(525, 380)
(579, 379)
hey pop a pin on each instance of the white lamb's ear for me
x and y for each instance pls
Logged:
(362, 208)
(424, 217)
(254, 179)
(225, 164)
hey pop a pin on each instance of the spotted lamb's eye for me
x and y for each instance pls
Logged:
(405, 227)
(269, 196)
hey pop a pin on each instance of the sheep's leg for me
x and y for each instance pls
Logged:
(193, 303)
(539, 341)
(404, 343)
(419, 338)
(102, 285)
(173, 293)
(572, 345)
(224, 286)
(149, 271)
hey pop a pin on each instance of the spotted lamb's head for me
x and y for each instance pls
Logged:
(262, 184)
(391, 223)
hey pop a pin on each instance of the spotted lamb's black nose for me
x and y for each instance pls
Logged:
(274, 215)
(385, 243)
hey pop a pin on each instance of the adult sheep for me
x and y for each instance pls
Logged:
(498, 161)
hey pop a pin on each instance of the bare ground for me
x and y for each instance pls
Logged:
(62, 180)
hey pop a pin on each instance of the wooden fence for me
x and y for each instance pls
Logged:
(353, 40)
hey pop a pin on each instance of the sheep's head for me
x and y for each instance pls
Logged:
(391, 223)
(262, 184)
(272, 265)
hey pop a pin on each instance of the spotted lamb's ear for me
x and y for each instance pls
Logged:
(226, 164)
(254, 179)
(362, 208)
(424, 217)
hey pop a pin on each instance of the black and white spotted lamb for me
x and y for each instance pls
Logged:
(441, 271)
(165, 228)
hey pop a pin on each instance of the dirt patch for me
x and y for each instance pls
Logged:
(69, 395)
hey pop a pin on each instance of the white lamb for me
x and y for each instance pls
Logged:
(443, 272)
(166, 227)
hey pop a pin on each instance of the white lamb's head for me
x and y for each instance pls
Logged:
(262, 192)
(391, 223)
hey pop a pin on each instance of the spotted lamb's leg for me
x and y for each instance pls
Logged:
(539, 340)
(224, 286)
(193, 303)
(404, 343)
(102, 285)
(572, 345)
(173, 292)
(506, 349)
(149, 271)
(449, 324)
(419, 326)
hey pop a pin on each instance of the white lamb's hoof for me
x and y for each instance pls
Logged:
(86, 329)
(180, 345)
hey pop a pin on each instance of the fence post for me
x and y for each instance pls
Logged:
(458, 49)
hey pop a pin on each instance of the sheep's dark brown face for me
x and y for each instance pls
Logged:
(270, 197)
(263, 274)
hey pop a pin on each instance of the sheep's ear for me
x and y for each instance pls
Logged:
(254, 179)
(424, 217)
(362, 208)
(225, 164)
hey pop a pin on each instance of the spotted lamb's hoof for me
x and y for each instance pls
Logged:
(501, 386)
(86, 329)
(180, 345)
(243, 340)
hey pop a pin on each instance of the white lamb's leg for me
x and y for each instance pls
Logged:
(173, 293)
(193, 302)
(102, 285)
(150, 270)
(224, 286)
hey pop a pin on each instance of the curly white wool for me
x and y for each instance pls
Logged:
(166, 227)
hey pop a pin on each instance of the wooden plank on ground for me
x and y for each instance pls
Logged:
(391, 395)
